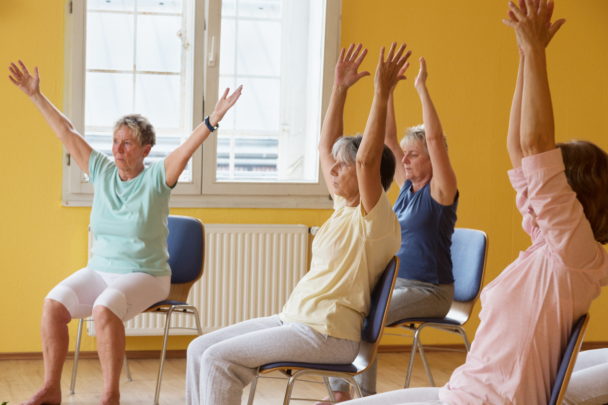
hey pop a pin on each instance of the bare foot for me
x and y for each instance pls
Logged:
(338, 395)
(110, 399)
(45, 395)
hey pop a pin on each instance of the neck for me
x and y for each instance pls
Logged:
(353, 201)
(418, 184)
(131, 173)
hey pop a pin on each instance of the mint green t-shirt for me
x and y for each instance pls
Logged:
(129, 219)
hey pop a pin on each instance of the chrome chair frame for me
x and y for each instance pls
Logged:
(364, 359)
(459, 314)
(178, 293)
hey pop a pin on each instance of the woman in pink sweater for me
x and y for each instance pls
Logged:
(562, 192)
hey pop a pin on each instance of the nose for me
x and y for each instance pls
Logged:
(332, 171)
(404, 160)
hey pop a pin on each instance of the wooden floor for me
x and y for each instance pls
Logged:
(20, 378)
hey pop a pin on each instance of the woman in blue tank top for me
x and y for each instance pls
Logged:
(426, 209)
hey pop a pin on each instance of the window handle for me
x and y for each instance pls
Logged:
(211, 61)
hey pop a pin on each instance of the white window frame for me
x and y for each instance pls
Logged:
(203, 190)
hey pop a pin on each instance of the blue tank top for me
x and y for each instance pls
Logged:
(426, 235)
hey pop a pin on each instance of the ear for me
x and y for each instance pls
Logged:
(147, 150)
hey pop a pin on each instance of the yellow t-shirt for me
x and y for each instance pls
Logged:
(349, 253)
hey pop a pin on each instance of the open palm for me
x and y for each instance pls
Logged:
(22, 78)
(348, 63)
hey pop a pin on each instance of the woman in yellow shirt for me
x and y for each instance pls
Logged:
(322, 320)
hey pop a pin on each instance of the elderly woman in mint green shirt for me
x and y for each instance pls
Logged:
(128, 271)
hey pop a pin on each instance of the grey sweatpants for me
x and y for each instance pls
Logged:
(222, 363)
(411, 396)
(411, 299)
(589, 381)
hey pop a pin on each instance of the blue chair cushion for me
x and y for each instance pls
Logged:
(168, 302)
(425, 320)
(185, 244)
(342, 368)
(468, 258)
(379, 299)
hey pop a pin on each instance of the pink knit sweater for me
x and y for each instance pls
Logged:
(529, 310)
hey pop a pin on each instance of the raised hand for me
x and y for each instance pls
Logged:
(391, 71)
(532, 23)
(225, 103)
(348, 63)
(422, 74)
(22, 78)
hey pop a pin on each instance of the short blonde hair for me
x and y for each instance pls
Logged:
(587, 174)
(417, 134)
(142, 129)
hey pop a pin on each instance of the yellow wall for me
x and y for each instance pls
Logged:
(472, 62)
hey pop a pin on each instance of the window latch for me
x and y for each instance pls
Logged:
(69, 158)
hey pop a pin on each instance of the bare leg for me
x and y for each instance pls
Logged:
(55, 339)
(340, 396)
(111, 349)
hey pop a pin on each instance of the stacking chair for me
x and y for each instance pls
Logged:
(186, 244)
(370, 339)
(568, 360)
(469, 254)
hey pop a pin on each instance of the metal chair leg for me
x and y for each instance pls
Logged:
(76, 354)
(127, 369)
(426, 364)
(289, 390)
(329, 390)
(465, 338)
(254, 385)
(355, 386)
(410, 368)
(162, 356)
(197, 318)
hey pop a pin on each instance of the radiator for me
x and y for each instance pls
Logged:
(250, 271)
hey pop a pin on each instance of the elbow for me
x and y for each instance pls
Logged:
(365, 161)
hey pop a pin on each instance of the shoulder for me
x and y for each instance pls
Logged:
(99, 163)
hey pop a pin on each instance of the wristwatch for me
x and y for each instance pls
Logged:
(211, 127)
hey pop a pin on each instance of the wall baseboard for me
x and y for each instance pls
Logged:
(181, 354)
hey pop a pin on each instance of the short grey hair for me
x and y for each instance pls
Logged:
(417, 134)
(345, 150)
(142, 129)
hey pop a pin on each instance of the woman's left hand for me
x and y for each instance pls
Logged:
(389, 73)
(532, 23)
(224, 104)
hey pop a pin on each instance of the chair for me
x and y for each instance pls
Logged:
(370, 339)
(186, 245)
(568, 360)
(469, 255)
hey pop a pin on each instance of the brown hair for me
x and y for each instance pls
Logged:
(587, 174)
(141, 127)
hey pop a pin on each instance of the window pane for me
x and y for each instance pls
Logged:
(255, 158)
(228, 7)
(258, 48)
(227, 47)
(258, 107)
(157, 97)
(111, 5)
(108, 97)
(260, 8)
(159, 47)
(110, 41)
(159, 6)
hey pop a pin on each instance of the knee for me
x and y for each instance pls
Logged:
(55, 311)
(104, 316)
(200, 349)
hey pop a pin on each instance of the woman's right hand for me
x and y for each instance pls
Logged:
(22, 78)
(346, 69)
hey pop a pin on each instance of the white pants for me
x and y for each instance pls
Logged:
(589, 381)
(126, 295)
(222, 363)
(411, 396)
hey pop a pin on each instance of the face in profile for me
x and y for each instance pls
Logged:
(416, 161)
(344, 179)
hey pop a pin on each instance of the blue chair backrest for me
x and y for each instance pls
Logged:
(571, 350)
(468, 261)
(372, 326)
(186, 243)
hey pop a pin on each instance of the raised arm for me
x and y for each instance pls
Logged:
(178, 159)
(443, 183)
(333, 126)
(77, 147)
(390, 139)
(369, 155)
(514, 135)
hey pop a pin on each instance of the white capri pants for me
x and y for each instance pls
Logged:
(126, 295)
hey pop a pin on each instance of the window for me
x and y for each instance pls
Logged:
(170, 60)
